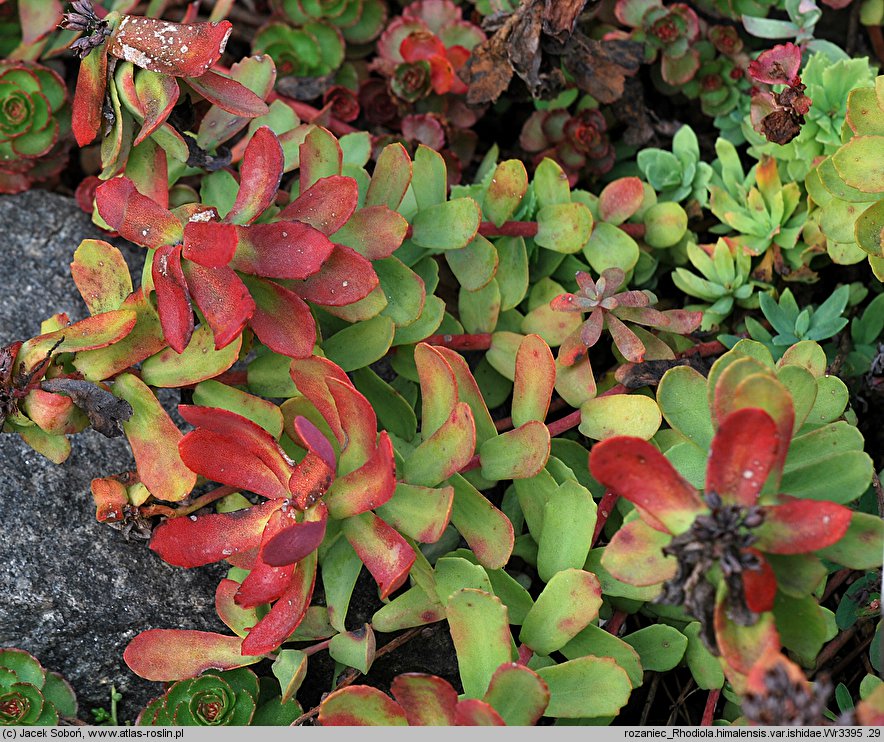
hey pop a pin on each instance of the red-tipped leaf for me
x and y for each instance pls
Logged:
(382, 550)
(326, 205)
(176, 654)
(259, 176)
(222, 298)
(266, 582)
(137, 218)
(295, 541)
(760, 586)
(800, 526)
(198, 540)
(173, 297)
(634, 469)
(426, 699)
(209, 243)
(282, 319)
(157, 95)
(344, 278)
(86, 110)
(179, 49)
(228, 94)
(368, 487)
(281, 250)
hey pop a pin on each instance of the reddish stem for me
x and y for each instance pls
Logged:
(615, 622)
(313, 649)
(465, 341)
(877, 39)
(704, 350)
(605, 508)
(508, 229)
(636, 231)
(308, 113)
(200, 502)
(709, 711)
(567, 422)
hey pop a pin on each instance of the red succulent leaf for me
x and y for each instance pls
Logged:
(252, 441)
(420, 45)
(760, 586)
(344, 278)
(326, 205)
(571, 350)
(634, 469)
(681, 321)
(635, 555)
(209, 243)
(742, 454)
(232, 96)
(742, 646)
(591, 329)
(797, 526)
(173, 298)
(314, 474)
(295, 541)
(777, 66)
(280, 250)
(238, 620)
(86, 110)
(632, 299)
(309, 375)
(358, 423)
(198, 540)
(222, 298)
(471, 712)
(259, 176)
(374, 231)
(426, 699)
(360, 705)
(586, 284)
(382, 550)
(179, 49)
(282, 320)
(110, 497)
(286, 613)
(369, 486)
(266, 582)
(157, 95)
(136, 217)
(626, 340)
(177, 654)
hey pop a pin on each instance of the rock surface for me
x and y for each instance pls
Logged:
(74, 592)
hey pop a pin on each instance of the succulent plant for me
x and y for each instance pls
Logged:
(30, 695)
(679, 175)
(421, 51)
(793, 324)
(865, 336)
(228, 698)
(666, 30)
(34, 120)
(765, 214)
(846, 188)
(726, 280)
(828, 83)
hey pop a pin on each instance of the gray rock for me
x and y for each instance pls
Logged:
(74, 592)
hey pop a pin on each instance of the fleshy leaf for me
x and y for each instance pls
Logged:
(260, 173)
(635, 555)
(137, 218)
(426, 699)
(86, 113)
(586, 687)
(800, 526)
(326, 205)
(360, 705)
(280, 250)
(448, 450)
(228, 94)
(383, 551)
(101, 275)
(518, 694)
(517, 454)
(534, 382)
(175, 654)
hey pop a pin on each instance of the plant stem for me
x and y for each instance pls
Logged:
(318, 647)
(709, 711)
(605, 508)
(200, 502)
(615, 622)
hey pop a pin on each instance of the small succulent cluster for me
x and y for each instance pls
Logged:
(779, 116)
(31, 695)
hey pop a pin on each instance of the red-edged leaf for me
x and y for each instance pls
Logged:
(742, 454)
(627, 342)
(314, 474)
(439, 388)
(445, 452)
(137, 218)
(471, 712)
(760, 586)
(228, 94)
(374, 231)
(180, 49)
(280, 250)
(255, 445)
(197, 540)
(157, 95)
(742, 646)
(634, 469)
(309, 375)
(366, 488)
(635, 555)
(239, 620)
(148, 168)
(518, 694)
(382, 550)
(392, 174)
(426, 699)
(326, 205)
(799, 526)
(209, 243)
(320, 156)
(295, 541)
(86, 110)
(534, 381)
(777, 66)
(358, 424)
(286, 613)
(620, 199)
(176, 654)
(314, 441)
(344, 278)
(173, 298)
(266, 582)
(110, 498)
(259, 176)
(360, 705)
(222, 298)
(282, 320)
